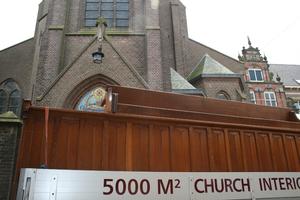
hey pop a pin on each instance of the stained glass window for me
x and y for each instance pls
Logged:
(116, 12)
(10, 97)
(92, 100)
(14, 101)
(3, 101)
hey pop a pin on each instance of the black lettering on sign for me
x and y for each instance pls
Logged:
(122, 187)
(108, 185)
(145, 186)
(165, 188)
(177, 182)
(133, 187)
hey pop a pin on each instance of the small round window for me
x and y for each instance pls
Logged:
(92, 101)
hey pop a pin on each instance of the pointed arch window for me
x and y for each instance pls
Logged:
(3, 101)
(10, 97)
(14, 101)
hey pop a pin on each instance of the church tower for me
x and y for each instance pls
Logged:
(144, 40)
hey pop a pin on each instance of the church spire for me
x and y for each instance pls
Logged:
(249, 42)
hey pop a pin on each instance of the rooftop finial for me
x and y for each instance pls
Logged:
(249, 42)
(278, 79)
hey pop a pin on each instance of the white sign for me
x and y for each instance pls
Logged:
(101, 185)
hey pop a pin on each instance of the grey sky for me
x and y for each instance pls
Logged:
(273, 25)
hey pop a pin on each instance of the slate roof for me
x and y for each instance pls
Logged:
(182, 86)
(206, 66)
(178, 82)
(288, 73)
(197, 50)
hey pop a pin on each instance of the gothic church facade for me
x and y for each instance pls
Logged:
(146, 46)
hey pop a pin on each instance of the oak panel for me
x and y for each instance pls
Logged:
(264, 152)
(250, 157)
(140, 147)
(159, 148)
(235, 151)
(180, 152)
(278, 153)
(292, 153)
(217, 150)
(199, 150)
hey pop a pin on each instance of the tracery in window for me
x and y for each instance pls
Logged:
(116, 12)
(14, 99)
(92, 100)
(10, 97)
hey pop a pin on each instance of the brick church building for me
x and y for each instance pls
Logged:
(146, 46)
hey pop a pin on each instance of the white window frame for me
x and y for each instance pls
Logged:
(253, 69)
(271, 100)
(252, 100)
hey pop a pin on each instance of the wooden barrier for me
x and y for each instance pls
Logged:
(122, 142)
(185, 134)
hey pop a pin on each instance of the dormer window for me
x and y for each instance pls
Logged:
(255, 75)
(116, 12)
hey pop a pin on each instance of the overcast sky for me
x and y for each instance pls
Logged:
(272, 25)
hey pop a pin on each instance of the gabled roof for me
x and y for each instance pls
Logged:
(197, 50)
(178, 82)
(15, 45)
(289, 74)
(182, 86)
(208, 65)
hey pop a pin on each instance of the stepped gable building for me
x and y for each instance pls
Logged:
(146, 42)
(290, 76)
(264, 90)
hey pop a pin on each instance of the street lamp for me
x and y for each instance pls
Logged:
(98, 56)
(101, 26)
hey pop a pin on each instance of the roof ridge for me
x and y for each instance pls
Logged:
(286, 64)
(16, 44)
(215, 64)
(216, 51)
